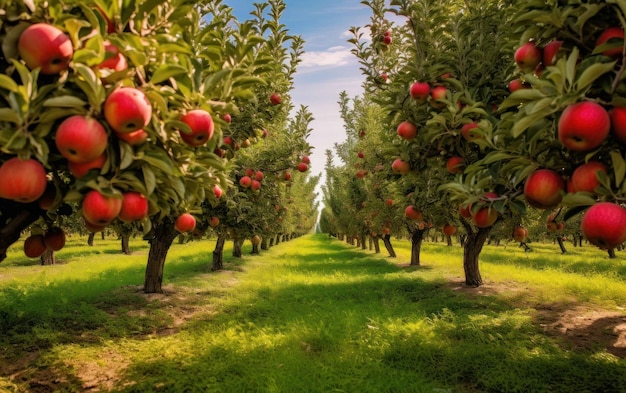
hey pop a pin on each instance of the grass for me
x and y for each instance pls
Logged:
(310, 315)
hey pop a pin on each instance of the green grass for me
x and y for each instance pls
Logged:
(310, 315)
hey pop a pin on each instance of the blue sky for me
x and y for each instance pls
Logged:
(327, 68)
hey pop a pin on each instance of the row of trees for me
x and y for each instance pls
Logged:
(131, 115)
(483, 115)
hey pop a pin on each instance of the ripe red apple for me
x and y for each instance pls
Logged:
(134, 138)
(127, 109)
(228, 141)
(245, 181)
(618, 123)
(449, 230)
(255, 185)
(80, 170)
(113, 60)
(227, 117)
(604, 225)
(400, 166)
(275, 99)
(202, 127)
(22, 180)
(465, 211)
(583, 126)
(287, 176)
(517, 84)
(362, 134)
(412, 213)
(470, 132)
(584, 177)
(455, 164)
(520, 234)
(303, 167)
(54, 239)
(217, 191)
(185, 223)
(134, 207)
(306, 160)
(528, 56)
(34, 246)
(249, 172)
(360, 154)
(215, 221)
(485, 217)
(544, 189)
(420, 91)
(387, 40)
(550, 50)
(361, 174)
(438, 93)
(100, 209)
(612, 33)
(81, 139)
(389, 202)
(407, 130)
(259, 175)
(44, 46)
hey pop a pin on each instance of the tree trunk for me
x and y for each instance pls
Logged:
(559, 240)
(126, 244)
(363, 244)
(47, 258)
(277, 239)
(449, 240)
(611, 252)
(90, 239)
(416, 245)
(272, 241)
(164, 235)
(102, 234)
(471, 251)
(264, 245)
(388, 246)
(255, 249)
(462, 239)
(375, 240)
(237, 245)
(218, 253)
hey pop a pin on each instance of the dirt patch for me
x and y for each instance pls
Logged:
(102, 374)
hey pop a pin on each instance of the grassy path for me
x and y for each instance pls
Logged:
(310, 315)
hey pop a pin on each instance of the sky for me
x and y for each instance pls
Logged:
(327, 67)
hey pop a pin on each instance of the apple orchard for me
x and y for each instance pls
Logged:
(482, 120)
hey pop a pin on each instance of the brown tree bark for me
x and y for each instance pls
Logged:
(164, 235)
(559, 240)
(471, 252)
(449, 240)
(47, 258)
(611, 252)
(237, 245)
(272, 241)
(218, 253)
(376, 241)
(388, 246)
(264, 245)
(255, 249)
(90, 239)
(417, 236)
(363, 244)
(126, 244)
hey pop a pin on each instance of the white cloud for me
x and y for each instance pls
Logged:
(332, 57)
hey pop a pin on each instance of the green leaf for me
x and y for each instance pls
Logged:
(149, 178)
(571, 212)
(619, 167)
(126, 155)
(9, 115)
(172, 47)
(570, 73)
(7, 83)
(166, 71)
(578, 199)
(65, 102)
(592, 73)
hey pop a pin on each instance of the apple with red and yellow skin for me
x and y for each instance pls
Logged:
(134, 138)
(227, 117)
(259, 176)
(585, 176)
(275, 99)
(185, 223)
(127, 109)
(544, 189)
(245, 181)
(604, 225)
(528, 56)
(100, 209)
(22, 180)
(485, 217)
(465, 211)
(81, 139)
(550, 50)
(34, 246)
(303, 167)
(407, 130)
(400, 166)
(420, 91)
(455, 164)
(202, 127)
(134, 207)
(438, 93)
(449, 230)
(583, 126)
(46, 47)
(217, 191)
(412, 213)
(54, 239)
(214, 221)
(470, 132)
(249, 172)
(255, 185)
(520, 234)
(114, 60)
(80, 170)
(389, 202)
(611, 33)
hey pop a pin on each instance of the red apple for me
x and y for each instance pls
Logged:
(127, 109)
(133, 138)
(412, 213)
(46, 47)
(361, 174)
(228, 141)
(436, 94)
(245, 181)
(134, 207)
(54, 239)
(306, 160)
(255, 185)
(618, 123)
(48, 198)
(81, 139)
(94, 227)
(80, 170)
(22, 180)
(517, 84)
(259, 175)
(470, 132)
(612, 33)
(360, 154)
(544, 189)
(100, 209)
(449, 230)
(550, 51)
(520, 234)
(528, 56)
(389, 202)
(485, 217)
(202, 127)
(585, 176)
(215, 221)
(604, 225)
(465, 211)
(420, 91)
(583, 126)
(275, 99)
(185, 223)
(400, 166)
(303, 167)
(217, 191)
(407, 130)
(455, 164)
(287, 176)
(227, 118)
(114, 60)
(34, 246)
